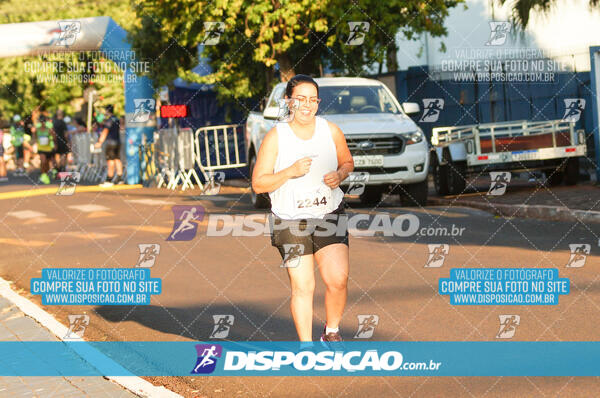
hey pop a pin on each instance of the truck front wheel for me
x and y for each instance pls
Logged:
(371, 195)
(414, 194)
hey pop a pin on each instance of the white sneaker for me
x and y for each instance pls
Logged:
(106, 184)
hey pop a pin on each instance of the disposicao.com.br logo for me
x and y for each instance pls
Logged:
(186, 219)
(338, 361)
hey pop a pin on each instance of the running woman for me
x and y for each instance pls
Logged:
(301, 164)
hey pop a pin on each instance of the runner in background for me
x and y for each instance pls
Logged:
(45, 139)
(20, 145)
(110, 135)
(62, 145)
(3, 177)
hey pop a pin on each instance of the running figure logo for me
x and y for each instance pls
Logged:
(77, 325)
(223, 324)
(287, 109)
(437, 254)
(508, 326)
(579, 253)
(68, 32)
(213, 32)
(573, 109)
(499, 182)
(358, 31)
(148, 253)
(366, 326)
(292, 253)
(144, 107)
(207, 358)
(185, 220)
(432, 107)
(358, 182)
(499, 33)
(68, 182)
(213, 185)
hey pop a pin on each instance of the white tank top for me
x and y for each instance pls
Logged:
(307, 196)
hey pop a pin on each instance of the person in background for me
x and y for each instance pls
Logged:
(3, 177)
(110, 135)
(20, 145)
(45, 139)
(61, 145)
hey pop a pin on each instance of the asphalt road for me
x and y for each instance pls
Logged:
(241, 276)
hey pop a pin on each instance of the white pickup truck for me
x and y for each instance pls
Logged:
(390, 151)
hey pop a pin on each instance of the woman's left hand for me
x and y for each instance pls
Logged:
(332, 179)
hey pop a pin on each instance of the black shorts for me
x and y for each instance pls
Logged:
(48, 154)
(113, 150)
(62, 146)
(19, 152)
(307, 236)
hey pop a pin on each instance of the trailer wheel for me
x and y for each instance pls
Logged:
(260, 200)
(572, 171)
(455, 177)
(554, 177)
(414, 194)
(440, 178)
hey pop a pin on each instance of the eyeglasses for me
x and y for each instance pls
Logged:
(304, 100)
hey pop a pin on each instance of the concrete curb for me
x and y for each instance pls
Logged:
(553, 213)
(135, 384)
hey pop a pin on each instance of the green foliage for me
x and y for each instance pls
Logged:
(302, 36)
(521, 9)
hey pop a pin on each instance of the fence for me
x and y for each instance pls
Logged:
(183, 157)
(89, 161)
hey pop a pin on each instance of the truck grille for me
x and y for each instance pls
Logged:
(384, 144)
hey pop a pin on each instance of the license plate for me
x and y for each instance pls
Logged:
(525, 155)
(368, 161)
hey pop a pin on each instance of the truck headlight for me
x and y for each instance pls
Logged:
(414, 137)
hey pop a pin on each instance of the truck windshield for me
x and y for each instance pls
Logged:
(355, 99)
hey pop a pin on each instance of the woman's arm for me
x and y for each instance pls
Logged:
(345, 161)
(263, 178)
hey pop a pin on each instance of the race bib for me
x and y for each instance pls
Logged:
(43, 140)
(316, 198)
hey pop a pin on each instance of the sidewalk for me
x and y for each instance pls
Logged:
(530, 200)
(16, 326)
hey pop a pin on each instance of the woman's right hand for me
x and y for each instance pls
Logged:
(301, 167)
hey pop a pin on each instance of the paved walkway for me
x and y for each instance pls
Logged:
(16, 326)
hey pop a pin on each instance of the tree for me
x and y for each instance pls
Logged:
(264, 37)
(521, 9)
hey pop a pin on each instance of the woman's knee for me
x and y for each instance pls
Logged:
(303, 289)
(337, 284)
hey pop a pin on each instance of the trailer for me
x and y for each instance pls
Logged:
(552, 146)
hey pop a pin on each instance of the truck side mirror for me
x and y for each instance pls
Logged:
(271, 112)
(410, 108)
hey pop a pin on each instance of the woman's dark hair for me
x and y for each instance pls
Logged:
(299, 79)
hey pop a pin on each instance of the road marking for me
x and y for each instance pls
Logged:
(150, 202)
(33, 191)
(98, 214)
(26, 214)
(41, 220)
(88, 353)
(24, 243)
(144, 228)
(89, 208)
(87, 235)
